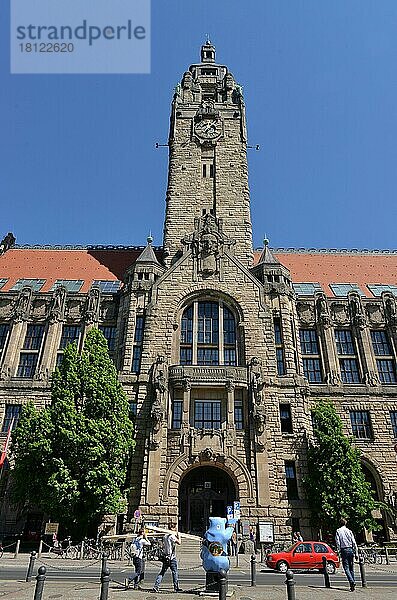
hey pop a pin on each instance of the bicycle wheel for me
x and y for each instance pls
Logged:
(379, 558)
(1, 551)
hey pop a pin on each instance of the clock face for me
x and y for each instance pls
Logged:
(208, 129)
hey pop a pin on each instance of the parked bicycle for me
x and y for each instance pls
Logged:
(371, 555)
(65, 549)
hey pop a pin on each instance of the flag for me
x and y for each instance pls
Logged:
(6, 444)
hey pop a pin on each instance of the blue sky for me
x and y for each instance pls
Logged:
(77, 157)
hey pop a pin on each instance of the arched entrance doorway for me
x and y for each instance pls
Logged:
(204, 492)
(379, 536)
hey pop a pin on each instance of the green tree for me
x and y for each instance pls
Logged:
(335, 484)
(71, 458)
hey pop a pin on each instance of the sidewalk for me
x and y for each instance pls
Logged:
(81, 590)
(87, 591)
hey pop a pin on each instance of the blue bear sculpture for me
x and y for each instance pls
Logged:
(214, 551)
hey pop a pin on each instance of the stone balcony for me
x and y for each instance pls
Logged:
(204, 375)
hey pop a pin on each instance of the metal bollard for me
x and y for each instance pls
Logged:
(17, 548)
(104, 564)
(362, 572)
(29, 572)
(327, 582)
(105, 581)
(290, 583)
(81, 550)
(387, 556)
(222, 584)
(40, 549)
(40, 579)
(253, 570)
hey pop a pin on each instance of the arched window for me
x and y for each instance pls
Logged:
(208, 335)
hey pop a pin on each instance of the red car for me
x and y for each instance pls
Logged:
(304, 555)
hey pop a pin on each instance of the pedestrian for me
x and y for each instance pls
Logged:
(138, 546)
(347, 548)
(297, 537)
(233, 544)
(169, 558)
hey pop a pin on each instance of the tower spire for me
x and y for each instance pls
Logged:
(208, 52)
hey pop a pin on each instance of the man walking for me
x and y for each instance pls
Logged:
(169, 558)
(347, 548)
(138, 546)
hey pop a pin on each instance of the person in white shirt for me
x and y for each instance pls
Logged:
(138, 545)
(347, 548)
(169, 558)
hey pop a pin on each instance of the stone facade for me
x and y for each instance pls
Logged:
(207, 342)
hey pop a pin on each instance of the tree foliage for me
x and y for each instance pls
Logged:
(71, 458)
(335, 485)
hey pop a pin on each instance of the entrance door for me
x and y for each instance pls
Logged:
(204, 492)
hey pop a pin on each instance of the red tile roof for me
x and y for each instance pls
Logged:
(87, 264)
(323, 266)
(341, 267)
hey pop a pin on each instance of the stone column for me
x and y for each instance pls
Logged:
(15, 342)
(230, 403)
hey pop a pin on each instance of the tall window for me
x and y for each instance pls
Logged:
(285, 418)
(207, 415)
(137, 347)
(11, 416)
(177, 406)
(348, 362)
(4, 331)
(310, 355)
(208, 335)
(292, 485)
(361, 424)
(238, 409)
(386, 364)
(70, 334)
(393, 420)
(29, 357)
(109, 332)
(278, 340)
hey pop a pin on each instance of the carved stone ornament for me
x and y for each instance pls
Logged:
(374, 312)
(42, 375)
(371, 378)
(305, 312)
(389, 302)
(207, 110)
(22, 305)
(186, 384)
(207, 244)
(339, 311)
(259, 420)
(356, 310)
(208, 454)
(159, 378)
(5, 373)
(158, 416)
(92, 306)
(57, 304)
(333, 378)
(256, 380)
(230, 385)
(323, 317)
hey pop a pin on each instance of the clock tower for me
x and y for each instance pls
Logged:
(208, 171)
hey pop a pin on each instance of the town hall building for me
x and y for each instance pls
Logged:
(221, 349)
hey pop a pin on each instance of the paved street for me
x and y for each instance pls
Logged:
(72, 580)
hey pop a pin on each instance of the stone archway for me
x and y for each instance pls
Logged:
(373, 478)
(204, 492)
(236, 470)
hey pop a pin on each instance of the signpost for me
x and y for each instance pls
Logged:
(51, 528)
(236, 510)
(229, 512)
(266, 533)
